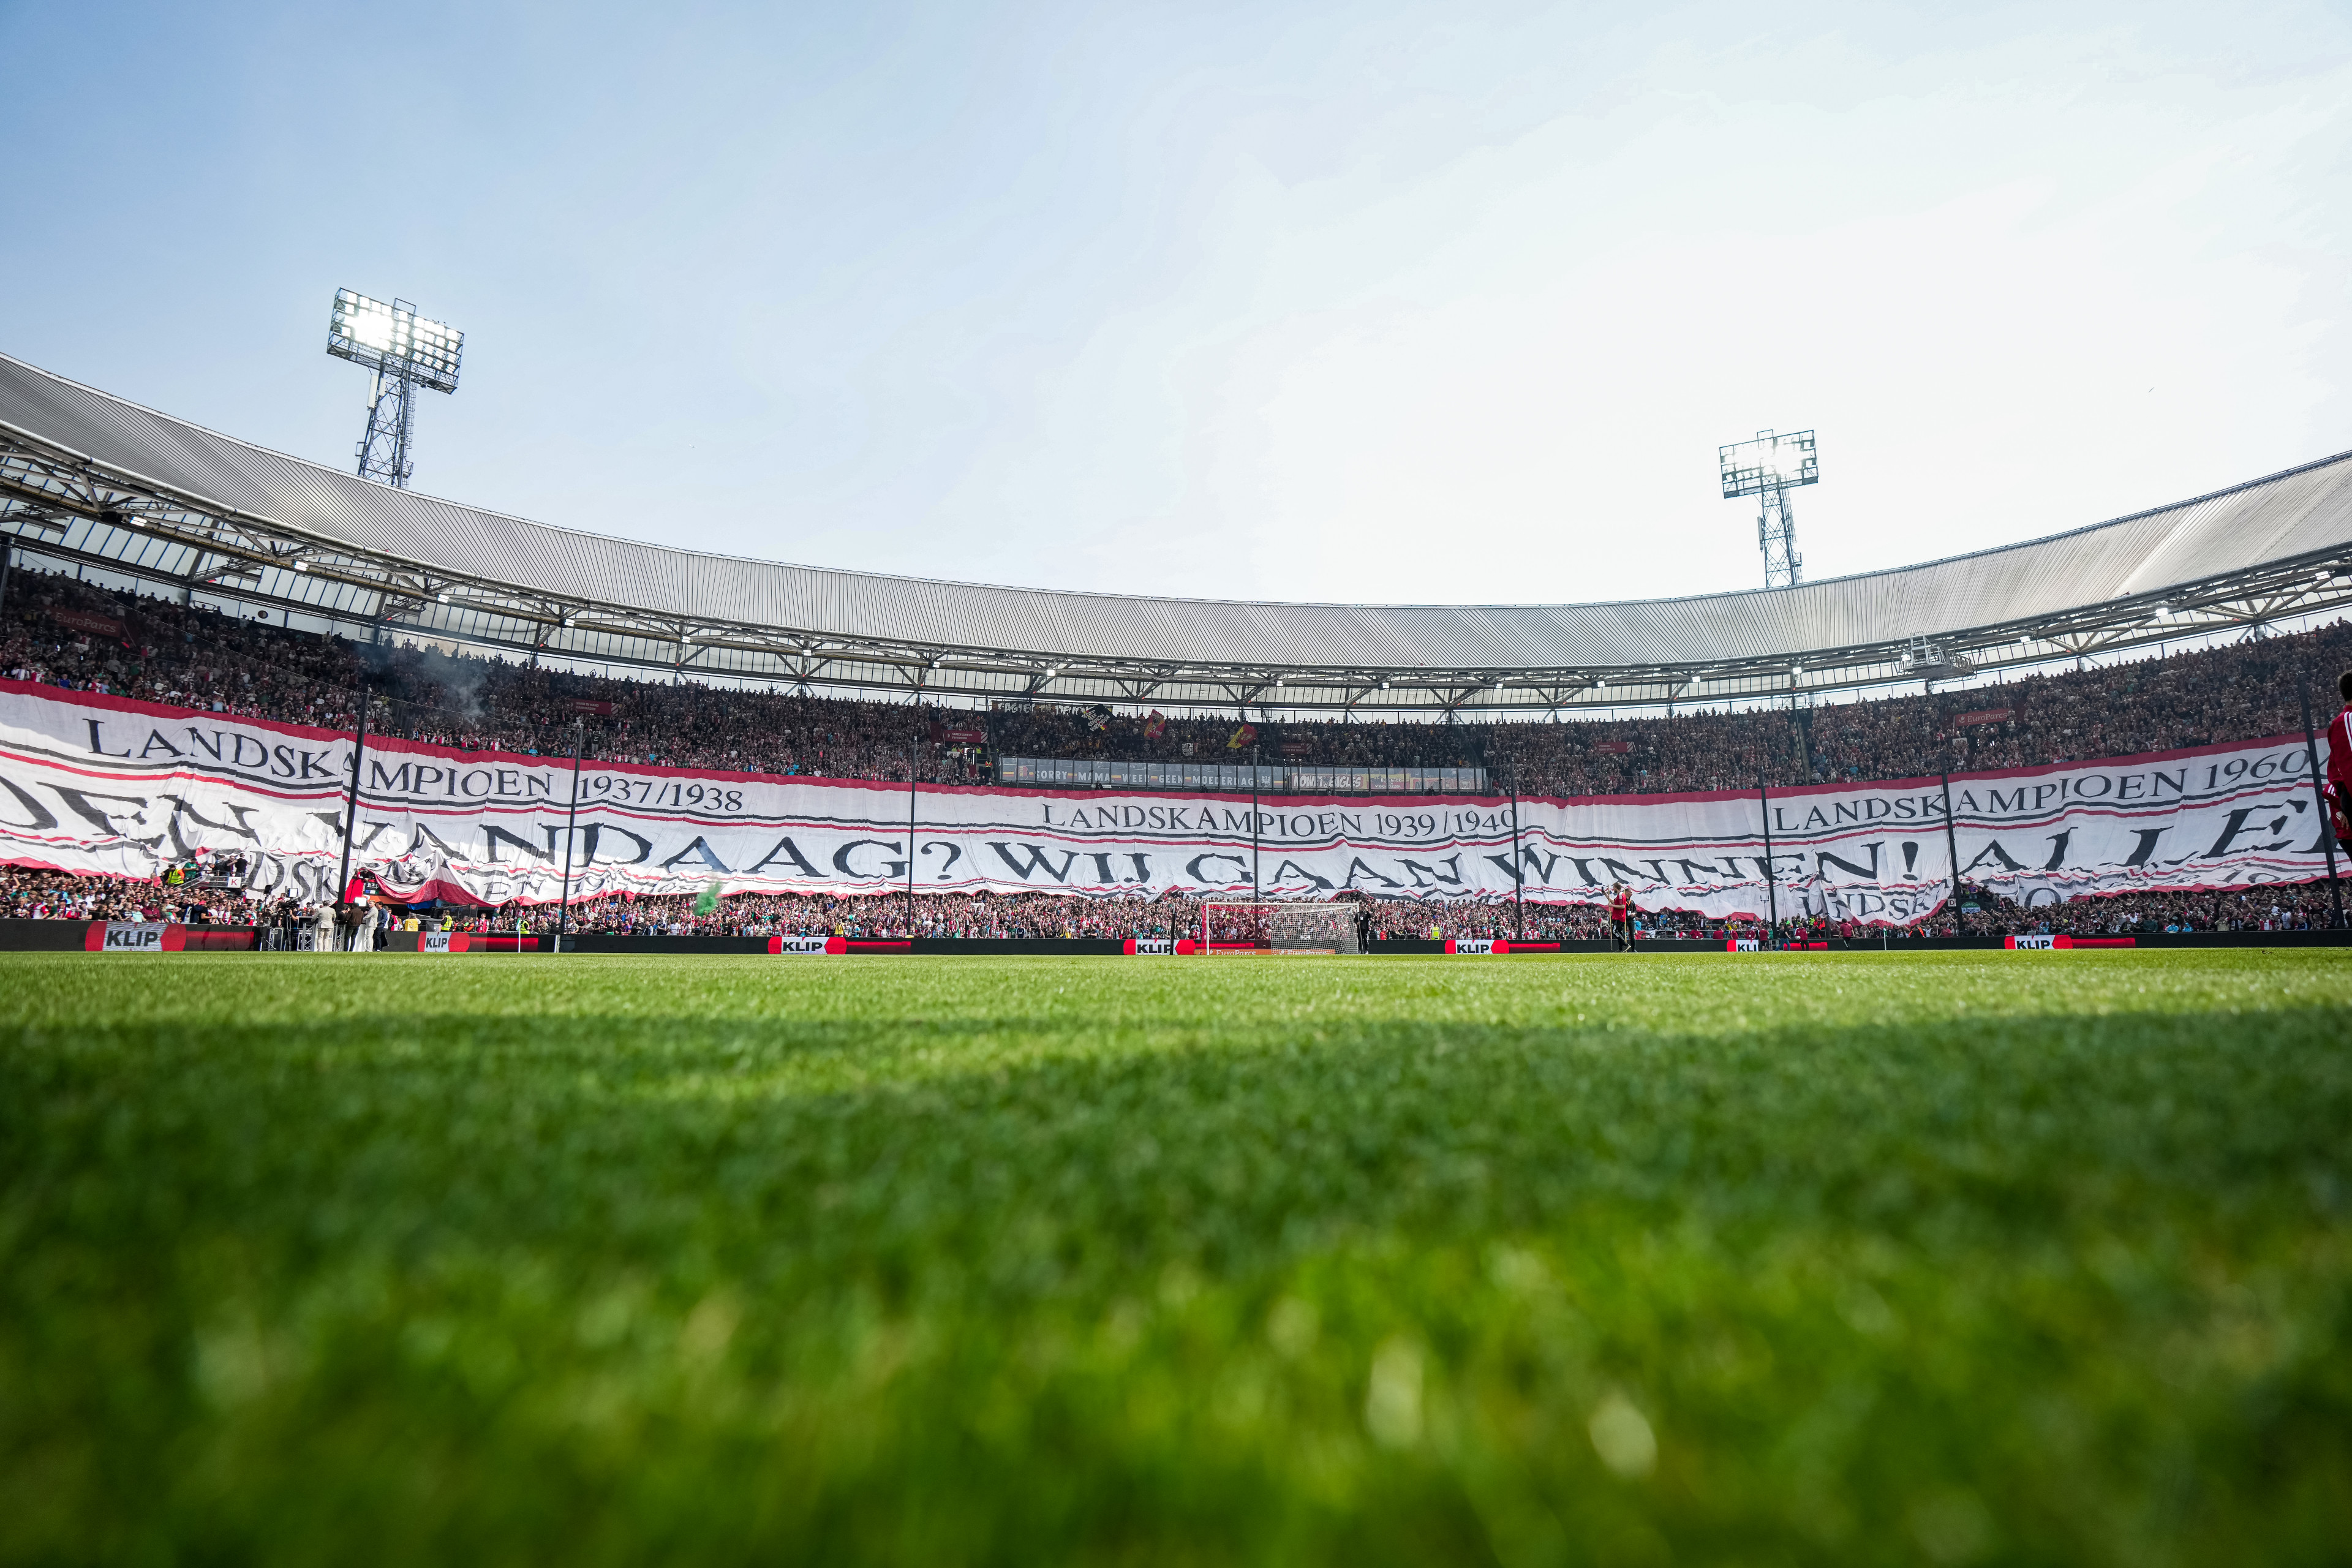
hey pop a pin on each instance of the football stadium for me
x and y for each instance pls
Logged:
(535, 1027)
(635, 1054)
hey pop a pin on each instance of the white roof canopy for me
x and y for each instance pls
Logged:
(2275, 535)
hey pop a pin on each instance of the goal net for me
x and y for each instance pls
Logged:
(1272, 927)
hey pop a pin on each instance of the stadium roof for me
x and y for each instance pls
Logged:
(88, 475)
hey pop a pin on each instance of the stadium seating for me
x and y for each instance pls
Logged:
(169, 653)
(60, 631)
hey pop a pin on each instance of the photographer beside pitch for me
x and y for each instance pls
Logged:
(2338, 791)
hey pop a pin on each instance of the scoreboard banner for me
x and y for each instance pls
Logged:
(94, 783)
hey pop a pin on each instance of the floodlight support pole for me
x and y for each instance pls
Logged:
(383, 452)
(570, 822)
(1776, 536)
(352, 797)
(1771, 883)
(1952, 847)
(2319, 793)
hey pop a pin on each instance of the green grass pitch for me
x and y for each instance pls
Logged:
(1829, 1257)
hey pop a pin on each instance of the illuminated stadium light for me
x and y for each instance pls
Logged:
(371, 334)
(405, 352)
(1749, 467)
(1770, 467)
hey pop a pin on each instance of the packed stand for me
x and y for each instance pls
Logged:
(27, 893)
(30, 893)
(2291, 907)
(1076, 731)
(2240, 692)
(64, 632)
(2283, 907)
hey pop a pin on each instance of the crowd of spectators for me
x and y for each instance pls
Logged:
(33, 894)
(2243, 691)
(1019, 915)
(36, 895)
(60, 631)
(1079, 731)
(65, 632)
(2293, 906)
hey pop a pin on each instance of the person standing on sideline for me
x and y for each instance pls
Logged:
(1620, 917)
(2339, 763)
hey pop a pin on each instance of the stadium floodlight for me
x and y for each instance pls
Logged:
(1770, 467)
(405, 352)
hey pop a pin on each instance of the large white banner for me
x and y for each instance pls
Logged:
(90, 783)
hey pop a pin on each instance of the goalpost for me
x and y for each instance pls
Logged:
(1240, 927)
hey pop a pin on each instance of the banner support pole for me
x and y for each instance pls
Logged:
(1519, 876)
(571, 825)
(2319, 790)
(911, 843)
(1952, 847)
(1258, 889)
(352, 797)
(1771, 883)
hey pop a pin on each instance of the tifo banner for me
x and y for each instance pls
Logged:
(2217, 816)
(89, 783)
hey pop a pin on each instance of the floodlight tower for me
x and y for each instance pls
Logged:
(405, 352)
(1770, 467)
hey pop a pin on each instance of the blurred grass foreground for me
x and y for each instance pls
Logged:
(1944, 1258)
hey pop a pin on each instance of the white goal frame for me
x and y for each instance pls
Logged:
(1339, 918)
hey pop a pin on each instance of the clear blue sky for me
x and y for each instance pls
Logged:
(1401, 302)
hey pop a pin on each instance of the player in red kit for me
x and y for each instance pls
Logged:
(2339, 763)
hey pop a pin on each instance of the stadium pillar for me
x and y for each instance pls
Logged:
(570, 821)
(7, 561)
(1519, 876)
(2319, 792)
(1952, 847)
(352, 797)
(1771, 883)
(911, 841)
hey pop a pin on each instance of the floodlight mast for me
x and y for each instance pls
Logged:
(405, 352)
(1769, 468)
